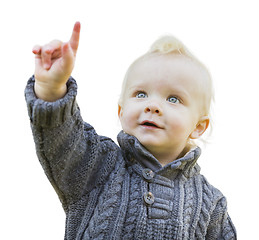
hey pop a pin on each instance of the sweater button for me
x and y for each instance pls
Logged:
(149, 198)
(148, 174)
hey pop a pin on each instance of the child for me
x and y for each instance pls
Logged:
(150, 186)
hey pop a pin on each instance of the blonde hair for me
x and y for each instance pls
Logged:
(168, 44)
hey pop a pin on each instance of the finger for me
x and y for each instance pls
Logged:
(38, 64)
(36, 49)
(50, 51)
(67, 56)
(74, 40)
(46, 59)
(54, 45)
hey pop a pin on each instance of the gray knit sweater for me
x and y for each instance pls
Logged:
(121, 192)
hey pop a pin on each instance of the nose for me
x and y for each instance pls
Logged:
(153, 108)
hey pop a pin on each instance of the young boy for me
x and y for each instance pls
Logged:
(150, 186)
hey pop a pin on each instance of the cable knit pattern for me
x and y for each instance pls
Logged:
(133, 209)
(103, 218)
(188, 209)
(121, 192)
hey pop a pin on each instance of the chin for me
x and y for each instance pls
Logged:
(151, 144)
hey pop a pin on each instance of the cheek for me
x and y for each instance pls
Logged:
(180, 124)
(128, 117)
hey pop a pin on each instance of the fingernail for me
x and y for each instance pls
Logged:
(46, 66)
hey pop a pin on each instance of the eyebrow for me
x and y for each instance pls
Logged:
(136, 87)
(181, 93)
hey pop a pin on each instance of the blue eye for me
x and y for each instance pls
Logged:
(173, 100)
(141, 95)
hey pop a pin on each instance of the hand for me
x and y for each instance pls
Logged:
(54, 63)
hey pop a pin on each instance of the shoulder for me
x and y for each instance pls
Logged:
(91, 137)
(209, 192)
(211, 210)
(207, 196)
(204, 195)
(214, 208)
(213, 204)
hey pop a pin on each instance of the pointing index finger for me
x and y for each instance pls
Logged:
(74, 40)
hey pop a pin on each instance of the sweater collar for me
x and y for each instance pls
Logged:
(134, 151)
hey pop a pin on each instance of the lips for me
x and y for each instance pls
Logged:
(149, 124)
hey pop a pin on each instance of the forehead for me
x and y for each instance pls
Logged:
(166, 71)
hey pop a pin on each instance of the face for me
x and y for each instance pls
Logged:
(162, 102)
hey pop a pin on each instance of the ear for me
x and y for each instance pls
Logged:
(201, 127)
(119, 111)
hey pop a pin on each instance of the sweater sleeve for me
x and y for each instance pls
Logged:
(221, 226)
(74, 158)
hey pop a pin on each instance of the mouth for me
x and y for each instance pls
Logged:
(149, 124)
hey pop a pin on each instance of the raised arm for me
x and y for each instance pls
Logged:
(73, 156)
(54, 63)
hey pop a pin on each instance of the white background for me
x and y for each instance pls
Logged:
(223, 34)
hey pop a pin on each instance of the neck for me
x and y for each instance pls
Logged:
(165, 158)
